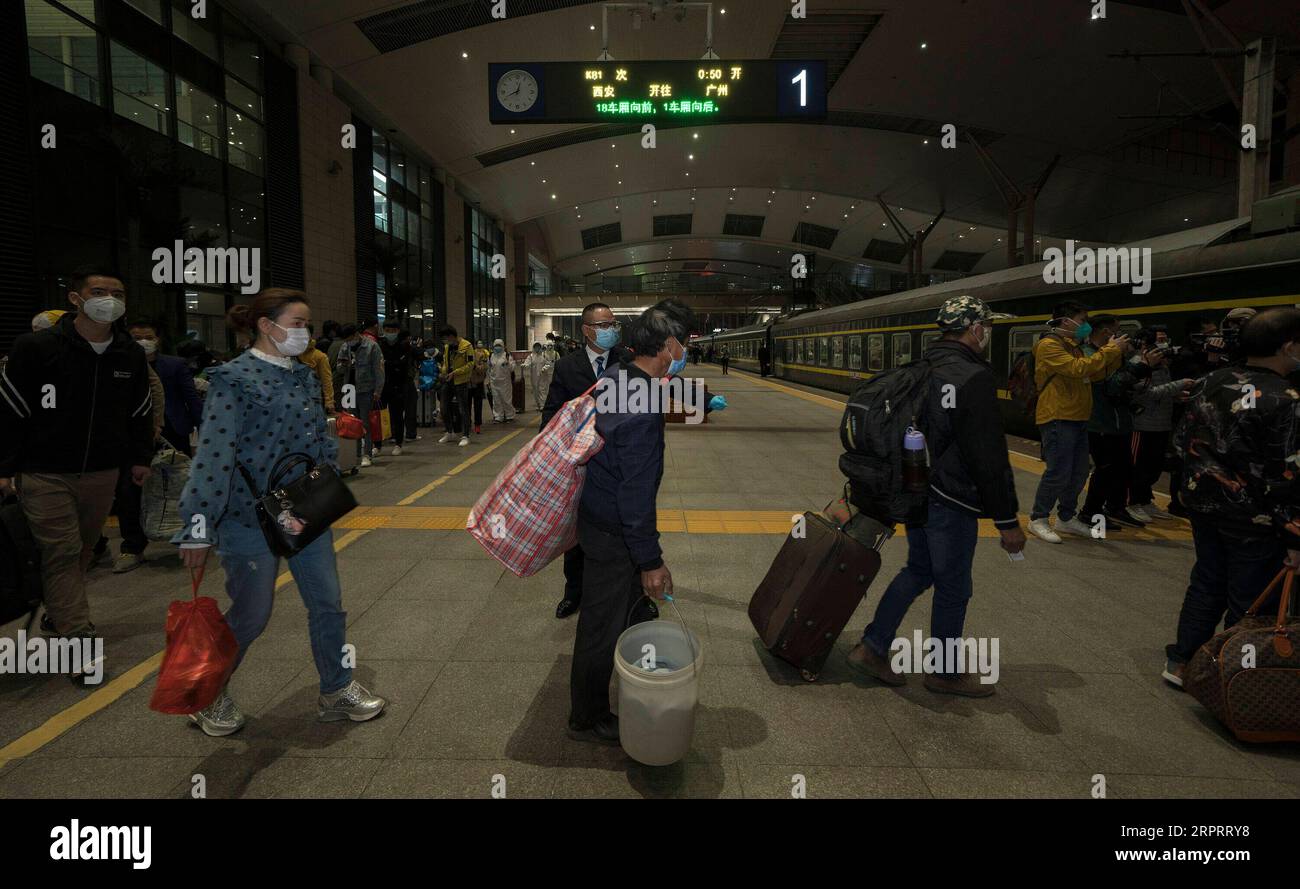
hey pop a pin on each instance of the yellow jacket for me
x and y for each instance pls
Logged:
(1064, 377)
(459, 364)
(319, 362)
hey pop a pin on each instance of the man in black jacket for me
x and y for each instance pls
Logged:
(970, 477)
(74, 407)
(575, 373)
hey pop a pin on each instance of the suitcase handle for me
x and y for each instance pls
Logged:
(1281, 632)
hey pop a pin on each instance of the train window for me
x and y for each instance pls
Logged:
(855, 353)
(809, 351)
(1129, 326)
(789, 351)
(902, 349)
(1020, 341)
(823, 351)
(876, 351)
(927, 338)
(798, 351)
(837, 352)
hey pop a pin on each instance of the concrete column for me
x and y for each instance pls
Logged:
(297, 56)
(1256, 109)
(324, 76)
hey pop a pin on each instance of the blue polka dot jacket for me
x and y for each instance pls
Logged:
(254, 413)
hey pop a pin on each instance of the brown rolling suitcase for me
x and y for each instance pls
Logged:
(811, 591)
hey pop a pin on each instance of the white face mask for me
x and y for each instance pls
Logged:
(149, 346)
(103, 309)
(295, 340)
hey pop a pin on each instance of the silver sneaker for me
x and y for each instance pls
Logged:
(220, 718)
(352, 702)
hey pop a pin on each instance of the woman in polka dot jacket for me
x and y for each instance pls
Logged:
(259, 407)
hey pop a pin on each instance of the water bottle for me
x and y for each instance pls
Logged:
(916, 462)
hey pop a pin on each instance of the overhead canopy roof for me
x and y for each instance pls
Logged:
(1030, 79)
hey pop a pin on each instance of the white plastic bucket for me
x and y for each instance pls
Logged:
(656, 709)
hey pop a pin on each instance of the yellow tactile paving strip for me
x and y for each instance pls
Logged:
(671, 521)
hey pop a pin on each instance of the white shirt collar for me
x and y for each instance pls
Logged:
(592, 355)
(278, 360)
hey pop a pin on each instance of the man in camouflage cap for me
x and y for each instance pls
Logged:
(970, 478)
(961, 312)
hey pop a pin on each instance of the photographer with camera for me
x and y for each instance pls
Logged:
(1110, 432)
(1153, 419)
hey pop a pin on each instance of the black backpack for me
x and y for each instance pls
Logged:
(875, 421)
(20, 565)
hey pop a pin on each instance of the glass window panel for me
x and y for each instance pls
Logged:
(876, 352)
(381, 212)
(855, 353)
(243, 98)
(380, 181)
(198, 118)
(397, 167)
(139, 89)
(902, 349)
(399, 221)
(198, 33)
(84, 8)
(151, 8)
(837, 351)
(243, 52)
(203, 215)
(247, 225)
(62, 51)
(244, 141)
(379, 159)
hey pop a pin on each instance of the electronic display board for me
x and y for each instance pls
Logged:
(700, 91)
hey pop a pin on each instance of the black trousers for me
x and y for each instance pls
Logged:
(1112, 462)
(411, 399)
(126, 504)
(611, 589)
(395, 401)
(573, 561)
(1148, 463)
(1229, 575)
(455, 408)
(476, 399)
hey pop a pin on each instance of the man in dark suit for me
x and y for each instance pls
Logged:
(575, 373)
(183, 406)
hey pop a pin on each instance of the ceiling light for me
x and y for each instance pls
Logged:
(464, 55)
(690, 157)
(512, 132)
(532, 163)
(923, 46)
(552, 197)
(695, 136)
(543, 181)
(591, 27)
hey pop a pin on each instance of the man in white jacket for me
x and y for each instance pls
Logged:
(541, 368)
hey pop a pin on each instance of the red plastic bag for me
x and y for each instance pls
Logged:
(200, 655)
(348, 426)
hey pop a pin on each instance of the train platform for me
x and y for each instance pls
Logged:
(476, 665)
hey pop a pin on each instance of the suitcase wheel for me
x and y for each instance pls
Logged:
(809, 675)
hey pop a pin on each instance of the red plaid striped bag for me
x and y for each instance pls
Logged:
(529, 514)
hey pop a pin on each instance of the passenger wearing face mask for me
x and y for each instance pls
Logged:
(75, 407)
(261, 407)
(1240, 489)
(541, 368)
(478, 384)
(575, 373)
(617, 522)
(1064, 376)
(970, 478)
(398, 367)
(500, 379)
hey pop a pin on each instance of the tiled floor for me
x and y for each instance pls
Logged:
(476, 665)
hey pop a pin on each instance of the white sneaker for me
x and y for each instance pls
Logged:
(464, 440)
(1156, 512)
(446, 437)
(1075, 527)
(397, 450)
(374, 452)
(365, 460)
(1040, 528)
(1138, 515)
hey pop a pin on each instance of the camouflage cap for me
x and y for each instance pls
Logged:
(961, 312)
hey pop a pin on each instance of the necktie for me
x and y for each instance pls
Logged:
(600, 365)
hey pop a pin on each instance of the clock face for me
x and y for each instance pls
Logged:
(517, 90)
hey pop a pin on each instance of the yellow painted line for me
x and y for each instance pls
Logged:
(407, 501)
(799, 393)
(97, 700)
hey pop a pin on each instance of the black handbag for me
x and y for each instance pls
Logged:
(294, 515)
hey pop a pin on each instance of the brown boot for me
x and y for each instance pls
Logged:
(866, 662)
(967, 685)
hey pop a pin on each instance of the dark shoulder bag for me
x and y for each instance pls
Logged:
(294, 515)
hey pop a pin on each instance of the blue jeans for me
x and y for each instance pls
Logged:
(250, 582)
(1230, 573)
(939, 555)
(1065, 450)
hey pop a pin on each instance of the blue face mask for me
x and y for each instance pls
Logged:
(678, 365)
(1083, 331)
(607, 338)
